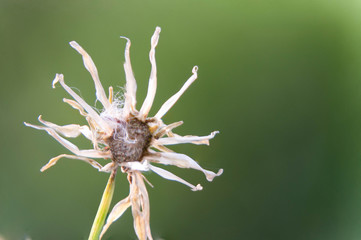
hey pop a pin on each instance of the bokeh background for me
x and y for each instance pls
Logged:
(280, 79)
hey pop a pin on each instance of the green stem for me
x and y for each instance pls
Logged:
(103, 208)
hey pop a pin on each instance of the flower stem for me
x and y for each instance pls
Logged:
(103, 208)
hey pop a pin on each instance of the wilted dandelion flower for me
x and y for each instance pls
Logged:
(129, 138)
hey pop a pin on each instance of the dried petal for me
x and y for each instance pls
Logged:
(170, 176)
(152, 86)
(94, 115)
(71, 130)
(131, 85)
(116, 213)
(90, 66)
(182, 161)
(186, 139)
(54, 160)
(166, 129)
(75, 105)
(140, 206)
(171, 101)
(91, 153)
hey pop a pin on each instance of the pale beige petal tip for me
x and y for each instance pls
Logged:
(58, 77)
(214, 133)
(197, 188)
(33, 126)
(155, 36)
(211, 175)
(73, 44)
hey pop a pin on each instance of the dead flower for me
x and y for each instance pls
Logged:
(126, 136)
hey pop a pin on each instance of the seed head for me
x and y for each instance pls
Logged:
(130, 141)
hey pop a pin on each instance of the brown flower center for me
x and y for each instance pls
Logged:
(130, 141)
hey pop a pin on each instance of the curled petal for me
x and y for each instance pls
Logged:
(167, 129)
(90, 66)
(71, 130)
(152, 86)
(92, 124)
(116, 213)
(141, 215)
(171, 101)
(131, 85)
(186, 139)
(182, 161)
(54, 160)
(75, 105)
(139, 223)
(91, 153)
(91, 112)
(170, 176)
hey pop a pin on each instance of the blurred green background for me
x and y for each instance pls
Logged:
(280, 79)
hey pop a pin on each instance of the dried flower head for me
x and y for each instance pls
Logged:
(126, 136)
